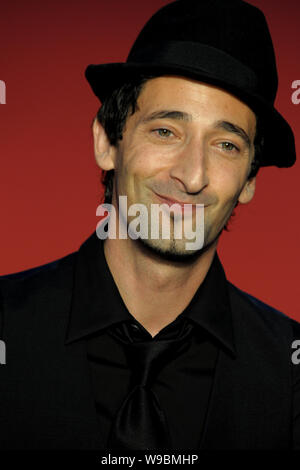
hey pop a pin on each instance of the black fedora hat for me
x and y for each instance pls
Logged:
(225, 43)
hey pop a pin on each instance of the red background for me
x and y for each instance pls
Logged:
(49, 181)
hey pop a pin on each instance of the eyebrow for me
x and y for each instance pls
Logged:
(178, 115)
(230, 127)
(182, 116)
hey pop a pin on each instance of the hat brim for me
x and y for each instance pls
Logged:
(279, 144)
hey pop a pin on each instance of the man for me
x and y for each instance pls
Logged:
(137, 342)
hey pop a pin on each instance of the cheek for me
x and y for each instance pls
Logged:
(140, 162)
(132, 166)
(227, 182)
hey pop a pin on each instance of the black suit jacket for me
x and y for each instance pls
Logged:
(46, 399)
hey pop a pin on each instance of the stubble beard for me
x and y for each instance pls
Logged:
(175, 249)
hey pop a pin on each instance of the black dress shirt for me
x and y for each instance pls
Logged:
(183, 386)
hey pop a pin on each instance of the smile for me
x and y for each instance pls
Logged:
(186, 207)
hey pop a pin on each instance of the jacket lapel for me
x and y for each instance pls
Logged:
(250, 402)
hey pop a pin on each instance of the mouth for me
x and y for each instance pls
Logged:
(180, 207)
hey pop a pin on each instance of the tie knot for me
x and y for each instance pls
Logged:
(147, 357)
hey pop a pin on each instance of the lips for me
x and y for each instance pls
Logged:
(184, 206)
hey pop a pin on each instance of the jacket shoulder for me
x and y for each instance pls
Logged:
(45, 281)
(256, 303)
(43, 290)
(273, 318)
(43, 268)
(42, 271)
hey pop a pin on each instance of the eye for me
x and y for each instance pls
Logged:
(228, 146)
(163, 132)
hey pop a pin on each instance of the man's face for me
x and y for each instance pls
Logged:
(187, 142)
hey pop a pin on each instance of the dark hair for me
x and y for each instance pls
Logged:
(121, 103)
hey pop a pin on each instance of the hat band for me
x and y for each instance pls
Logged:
(198, 57)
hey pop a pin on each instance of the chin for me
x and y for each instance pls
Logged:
(172, 250)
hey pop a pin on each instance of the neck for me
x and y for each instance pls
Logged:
(150, 284)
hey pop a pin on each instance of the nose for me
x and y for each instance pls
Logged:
(190, 168)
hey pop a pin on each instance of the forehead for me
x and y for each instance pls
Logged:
(199, 100)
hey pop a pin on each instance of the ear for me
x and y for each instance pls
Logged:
(104, 152)
(248, 191)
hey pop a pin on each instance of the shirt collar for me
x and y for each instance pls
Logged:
(97, 303)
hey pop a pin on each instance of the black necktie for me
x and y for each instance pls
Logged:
(140, 423)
